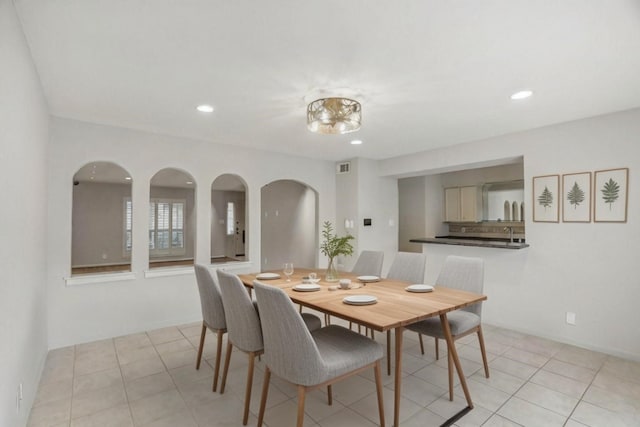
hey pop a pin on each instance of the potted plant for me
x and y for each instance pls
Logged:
(332, 246)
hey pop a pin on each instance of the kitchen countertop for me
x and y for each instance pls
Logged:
(470, 241)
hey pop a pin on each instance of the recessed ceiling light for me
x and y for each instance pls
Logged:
(204, 108)
(521, 95)
(128, 178)
(189, 182)
(356, 142)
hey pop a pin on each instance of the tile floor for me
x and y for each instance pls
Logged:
(149, 379)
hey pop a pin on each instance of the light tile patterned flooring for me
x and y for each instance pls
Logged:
(149, 379)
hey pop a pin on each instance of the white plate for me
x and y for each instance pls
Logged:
(419, 288)
(368, 278)
(360, 300)
(267, 276)
(307, 287)
(310, 281)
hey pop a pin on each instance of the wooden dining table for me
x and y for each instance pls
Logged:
(394, 309)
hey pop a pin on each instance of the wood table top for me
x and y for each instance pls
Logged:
(395, 307)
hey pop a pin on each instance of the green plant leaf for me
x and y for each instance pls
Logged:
(610, 192)
(332, 245)
(545, 198)
(575, 195)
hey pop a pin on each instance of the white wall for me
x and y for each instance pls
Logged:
(361, 194)
(411, 213)
(589, 269)
(88, 312)
(23, 142)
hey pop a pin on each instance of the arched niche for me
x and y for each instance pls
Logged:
(229, 234)
(172, 219)
(289, 225)
(101, 230)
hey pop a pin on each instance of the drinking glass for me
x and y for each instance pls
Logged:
(288, 270)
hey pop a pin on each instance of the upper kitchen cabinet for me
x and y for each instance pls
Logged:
(463, 204)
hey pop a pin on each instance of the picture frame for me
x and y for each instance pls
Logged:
(576, 197)
(610, 195)
(546, 206)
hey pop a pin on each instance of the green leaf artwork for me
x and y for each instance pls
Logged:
(575, 195)
(610, 192)
(545, 198)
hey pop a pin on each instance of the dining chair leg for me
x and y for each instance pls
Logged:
(437, 350)
(263, 399)
(378, 375)
(329, 395)
(302, 392)
(216, 370)
(483, 351)
(201, 347)
(247, 393)
(421, 343)
(227, 358)
(450, 370)
(389, 352)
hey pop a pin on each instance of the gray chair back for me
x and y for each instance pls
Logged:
(289, 349)
(243, 323)
(369, 263)
(408, 266)
(210, 298)
(466, 274)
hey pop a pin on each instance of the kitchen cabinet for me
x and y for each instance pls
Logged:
(463, 204)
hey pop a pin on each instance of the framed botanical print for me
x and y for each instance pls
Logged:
(576, 197)
(546, 204)
(610, 193)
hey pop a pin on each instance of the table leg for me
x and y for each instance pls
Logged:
(398, 379)
(454, 355)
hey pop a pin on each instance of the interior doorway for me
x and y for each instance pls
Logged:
(289, 225)
(228, 220)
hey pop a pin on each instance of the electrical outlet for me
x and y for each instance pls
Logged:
(571, 318)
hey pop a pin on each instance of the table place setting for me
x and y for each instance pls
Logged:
(368, 279)
(360, 299)
(267, 276)
(307, 287)
(419, 288)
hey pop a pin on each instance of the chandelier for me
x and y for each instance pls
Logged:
(334, 116)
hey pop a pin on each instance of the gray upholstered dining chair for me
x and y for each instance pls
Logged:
(212, 315)
(244, 330)
(369, 263)
(409, 267)
(310, 359)
(466, 274)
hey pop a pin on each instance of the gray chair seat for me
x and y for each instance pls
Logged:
(459, 322)
(343, 351)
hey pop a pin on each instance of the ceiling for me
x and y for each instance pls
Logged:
(428, 73)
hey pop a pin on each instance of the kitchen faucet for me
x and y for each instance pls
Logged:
(510, 230)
